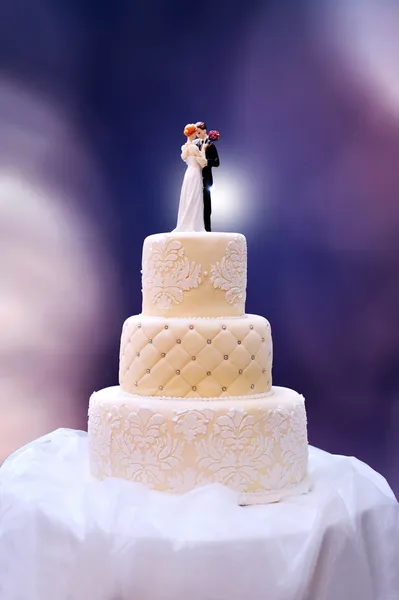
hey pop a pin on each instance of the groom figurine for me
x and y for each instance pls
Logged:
(211, 154)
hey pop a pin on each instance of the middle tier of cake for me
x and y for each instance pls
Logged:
(197, 357)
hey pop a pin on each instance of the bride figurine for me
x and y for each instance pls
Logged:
(191, 206)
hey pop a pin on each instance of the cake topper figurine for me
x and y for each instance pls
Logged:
(200, 154)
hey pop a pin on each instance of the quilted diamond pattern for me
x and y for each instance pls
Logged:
(201, 358)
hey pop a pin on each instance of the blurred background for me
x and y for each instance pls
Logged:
(93, 100)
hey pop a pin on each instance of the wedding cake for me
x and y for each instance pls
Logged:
(195, 403)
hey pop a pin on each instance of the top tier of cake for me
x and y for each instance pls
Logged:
(196, 274)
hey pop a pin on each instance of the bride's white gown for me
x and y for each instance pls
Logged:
(191, 206)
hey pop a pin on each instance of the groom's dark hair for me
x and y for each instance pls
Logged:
(201, 125)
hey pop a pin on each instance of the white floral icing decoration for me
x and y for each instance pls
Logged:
(169, 273)
(237, 449)
(230, 274)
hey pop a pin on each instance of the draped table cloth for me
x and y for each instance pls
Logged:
(66, 536)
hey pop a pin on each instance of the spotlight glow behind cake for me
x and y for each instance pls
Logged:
(195, 404)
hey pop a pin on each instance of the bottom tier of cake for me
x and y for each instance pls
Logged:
(256, 445)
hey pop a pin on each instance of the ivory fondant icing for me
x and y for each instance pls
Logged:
(197, 274)
(195, 403)
(258, 446)
(198, 357)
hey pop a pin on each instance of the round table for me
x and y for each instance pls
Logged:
(66, 536)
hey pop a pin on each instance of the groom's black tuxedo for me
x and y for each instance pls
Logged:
(211, 154)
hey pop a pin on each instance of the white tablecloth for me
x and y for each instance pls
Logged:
(66, 536)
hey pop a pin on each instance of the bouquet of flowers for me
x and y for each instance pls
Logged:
(214, 135)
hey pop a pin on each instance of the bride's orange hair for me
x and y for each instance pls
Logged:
(189, 129)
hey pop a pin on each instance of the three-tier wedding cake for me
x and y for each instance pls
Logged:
(195, 404)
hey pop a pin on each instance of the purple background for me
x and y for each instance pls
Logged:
(93, 100)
